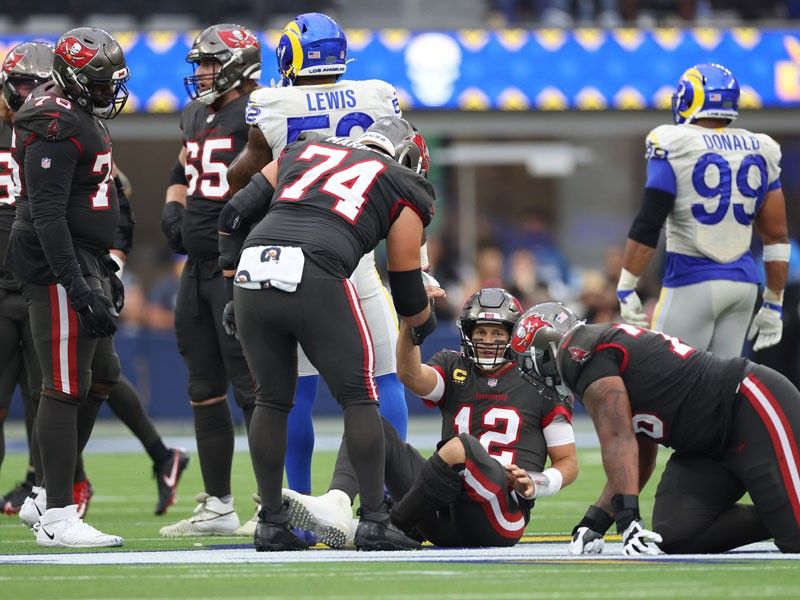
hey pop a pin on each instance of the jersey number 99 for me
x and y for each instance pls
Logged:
(724, 188)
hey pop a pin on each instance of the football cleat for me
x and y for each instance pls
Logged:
(211, 516)
(167, 475)
(329, 518)
(376, 532)
(248, 528)
(12, 500)
(33, 506)
(82, 492)
(62, 527)
(273, 533)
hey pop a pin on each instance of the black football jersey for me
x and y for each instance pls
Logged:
(9, 185)
(502, 410)
(680, 397)
(213, 139)
(337, 199)
(70, 175)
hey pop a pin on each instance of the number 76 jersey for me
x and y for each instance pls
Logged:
(719, 178)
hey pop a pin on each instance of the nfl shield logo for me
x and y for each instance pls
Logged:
(492, 382)
(46, 162)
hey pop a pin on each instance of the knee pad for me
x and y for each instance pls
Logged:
(201, 390)
(107, 372)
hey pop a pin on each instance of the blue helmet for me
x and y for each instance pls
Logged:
(706, 91)
(312, 44)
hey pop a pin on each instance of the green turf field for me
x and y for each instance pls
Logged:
(125, 495)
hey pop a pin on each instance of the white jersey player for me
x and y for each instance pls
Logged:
(710, 183)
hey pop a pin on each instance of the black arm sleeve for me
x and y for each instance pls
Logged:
(123, 236)
(178, 175)
(656, 206)
(49, 168)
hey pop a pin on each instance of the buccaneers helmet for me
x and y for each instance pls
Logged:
(90, 66)
(489, 305)
(706, 91)
(27, 66)
(311, 45)
(401, 140)
(535, 342)
(237, 51)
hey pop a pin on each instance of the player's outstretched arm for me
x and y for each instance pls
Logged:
(254, 156)
(405, 273)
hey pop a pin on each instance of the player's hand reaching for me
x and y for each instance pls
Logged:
(638, 541)
(767, 327)
(631, 309)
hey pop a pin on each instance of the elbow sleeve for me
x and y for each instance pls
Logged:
(646, 226)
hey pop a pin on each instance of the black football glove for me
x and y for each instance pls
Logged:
(114, 282)
(229, 319)
(171, 220)
(587, 536)
(97, 314)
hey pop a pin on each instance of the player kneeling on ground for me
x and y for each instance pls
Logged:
(732, 423)
(498, 429)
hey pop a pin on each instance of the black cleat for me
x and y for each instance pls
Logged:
(376, 532)
(12, 500)
(273, 533)
(167, 475)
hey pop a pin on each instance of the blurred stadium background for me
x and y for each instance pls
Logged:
(536, 113)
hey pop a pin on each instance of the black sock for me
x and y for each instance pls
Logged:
(247, 411)
(344, 476)
(363, 435)
(267, 438)
(36, 456)
(126, 405)
(30, 476)
(213, 429)
(87, 415)
(80, 473)
(57, 430)
(437, 485)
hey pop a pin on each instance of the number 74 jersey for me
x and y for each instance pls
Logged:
(719, 178)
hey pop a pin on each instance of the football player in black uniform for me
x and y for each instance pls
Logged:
(66, 218)
(227, 61)
(498, 430)
(336, 199)
(732, 423)
(26, 66)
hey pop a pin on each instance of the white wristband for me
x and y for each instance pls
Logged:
(777, 252)
(120, 263)
(627, 280)
(772, 296)
(554, 481)
(423, 257)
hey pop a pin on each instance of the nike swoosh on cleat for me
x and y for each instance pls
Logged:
(173, 475)
(51, 536)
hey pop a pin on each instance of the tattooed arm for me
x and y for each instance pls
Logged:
(606, 400)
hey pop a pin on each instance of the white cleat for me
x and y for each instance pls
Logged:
(33, 507)
(248, 528)
(61, 527)
(211, 516)
(329, 517)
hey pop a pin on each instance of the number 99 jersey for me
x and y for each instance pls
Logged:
(719, 178)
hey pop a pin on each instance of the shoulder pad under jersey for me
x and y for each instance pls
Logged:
(664, 141)
(49, 115)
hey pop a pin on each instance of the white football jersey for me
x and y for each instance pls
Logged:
(344, 108)
(721, 178)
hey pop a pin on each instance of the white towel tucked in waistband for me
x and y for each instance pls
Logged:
(270, 266)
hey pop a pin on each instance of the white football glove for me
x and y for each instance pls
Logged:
(586, 541)
(631, 309)
(768, 326)
(638, 541)
(429, 280)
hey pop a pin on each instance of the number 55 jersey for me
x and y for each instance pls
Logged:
(719, 178)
